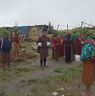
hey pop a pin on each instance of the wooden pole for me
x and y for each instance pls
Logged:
(57, 27)
(67, 27)
(82, 24)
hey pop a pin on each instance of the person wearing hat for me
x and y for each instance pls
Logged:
(5, 47)
(43, 44)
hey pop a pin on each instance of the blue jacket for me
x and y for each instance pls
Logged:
(6, 47)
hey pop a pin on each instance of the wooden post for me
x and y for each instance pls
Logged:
(57, 27)
(82, 24)
(67, 27)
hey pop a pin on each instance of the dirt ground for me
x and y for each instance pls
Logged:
(25, 78)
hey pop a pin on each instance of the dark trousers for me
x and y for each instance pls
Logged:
(6, 59)
(68, 53)
(43, 62)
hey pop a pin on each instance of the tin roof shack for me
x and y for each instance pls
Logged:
(36, 31)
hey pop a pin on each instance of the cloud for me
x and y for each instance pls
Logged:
(31, 12)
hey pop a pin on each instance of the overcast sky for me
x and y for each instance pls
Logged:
(58, 12)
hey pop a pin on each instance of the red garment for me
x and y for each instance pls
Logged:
(90, 42)
(88, 73)
(77, 47)
(16, 38)
(56, 48)
(61, 47)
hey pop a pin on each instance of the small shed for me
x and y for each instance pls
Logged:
(36, 31)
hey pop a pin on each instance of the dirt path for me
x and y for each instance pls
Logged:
(12, 86)
(52, 65)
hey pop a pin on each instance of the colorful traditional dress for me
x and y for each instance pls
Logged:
(68, 49)
(78, 47)
(16, 45)
(55, 48)
(88, 51)
(74, 41)
(61, 46)
(43, 49)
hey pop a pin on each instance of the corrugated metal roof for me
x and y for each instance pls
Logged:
(24, 29)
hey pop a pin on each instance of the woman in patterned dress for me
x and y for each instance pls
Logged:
(88, 52)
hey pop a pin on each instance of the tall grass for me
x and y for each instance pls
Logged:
(69, 74)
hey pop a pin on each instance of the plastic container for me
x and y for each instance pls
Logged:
(48, 43)
(77, 57)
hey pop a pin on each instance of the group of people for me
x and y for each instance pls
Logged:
(62, 46)
(68, 46)
(9, 46)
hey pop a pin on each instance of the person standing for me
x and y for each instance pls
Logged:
(16, 44)
(88, 52)
(5, 50)
(61, 46)
(77, 46)
(55, 47)
(43, 43)
(68, 48)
